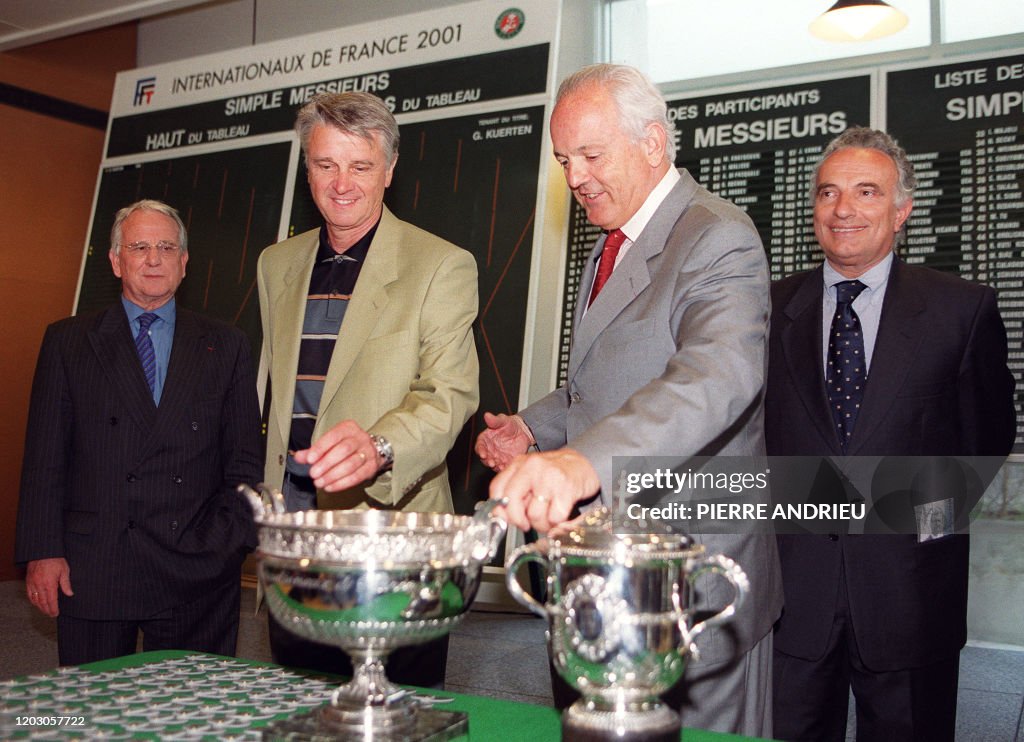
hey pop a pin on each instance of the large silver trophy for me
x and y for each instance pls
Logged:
(620, 615)
(369, 582)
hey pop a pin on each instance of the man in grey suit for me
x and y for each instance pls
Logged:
(668, 359)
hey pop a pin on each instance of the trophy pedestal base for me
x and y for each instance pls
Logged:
(582, 722)
(431, 725)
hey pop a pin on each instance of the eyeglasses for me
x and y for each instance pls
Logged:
(139, 249)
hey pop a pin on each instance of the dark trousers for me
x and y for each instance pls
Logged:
(207, 624)
(422, 665)
(812, 697)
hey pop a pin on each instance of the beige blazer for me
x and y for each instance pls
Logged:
(404, 367)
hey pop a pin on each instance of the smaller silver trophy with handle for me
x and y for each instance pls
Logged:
(620, 621)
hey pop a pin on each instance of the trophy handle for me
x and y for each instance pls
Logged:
(255, 502)
(496, 531)
(520, 556)
(722, 565)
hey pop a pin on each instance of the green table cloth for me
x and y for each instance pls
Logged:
(184, 695)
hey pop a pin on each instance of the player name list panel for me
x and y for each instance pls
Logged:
(963, 127)
(757, 148)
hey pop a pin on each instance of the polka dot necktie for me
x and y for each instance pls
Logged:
(144, 344)
(847, 370)
(610, 250)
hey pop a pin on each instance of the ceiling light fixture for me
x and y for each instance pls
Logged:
(858, 20)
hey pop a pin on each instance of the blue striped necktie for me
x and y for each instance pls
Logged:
(144, 344)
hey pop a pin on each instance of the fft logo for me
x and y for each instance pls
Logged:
(509, 23)
(144, 89)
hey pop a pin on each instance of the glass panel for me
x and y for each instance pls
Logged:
(978, 19)
(685, 39)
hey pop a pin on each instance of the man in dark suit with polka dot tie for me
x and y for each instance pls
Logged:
(872, 357)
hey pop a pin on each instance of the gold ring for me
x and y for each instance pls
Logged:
(540, 498)
(362, 456)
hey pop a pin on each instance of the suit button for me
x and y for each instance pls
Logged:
(176, 479)
(280, 460)
(113, 421)
(174, 525)
(131, 478)
(131, 524)
(833, 537)
(575, 398)
(195, 425)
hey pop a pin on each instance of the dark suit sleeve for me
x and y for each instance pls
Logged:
(45, 465)
(987, 415)
(224, 525)
(241, 445)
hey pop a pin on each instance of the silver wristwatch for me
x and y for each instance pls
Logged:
(384, 450)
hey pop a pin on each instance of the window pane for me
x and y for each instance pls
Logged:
(684, 39)
(978, 19)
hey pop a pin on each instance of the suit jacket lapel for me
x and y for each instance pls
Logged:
(366, 305)
(630, 277)
(112, 341)
(802, 347)
(287, 329)
(184, 372)
(900, 331)
(617, 293)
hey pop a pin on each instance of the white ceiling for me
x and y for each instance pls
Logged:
(25, 22)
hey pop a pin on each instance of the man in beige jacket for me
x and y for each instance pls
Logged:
(367, 326)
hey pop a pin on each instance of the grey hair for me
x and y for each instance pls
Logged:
(358, 114)
(862, 137)
(639, 102)
(146, 204)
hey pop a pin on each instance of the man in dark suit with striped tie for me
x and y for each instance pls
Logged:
(143, 421)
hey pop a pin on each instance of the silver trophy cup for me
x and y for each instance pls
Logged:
(620, 621)
(369, 582)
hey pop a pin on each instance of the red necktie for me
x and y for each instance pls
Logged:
(612, 243)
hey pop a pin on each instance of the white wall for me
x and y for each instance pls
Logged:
(235, 23)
